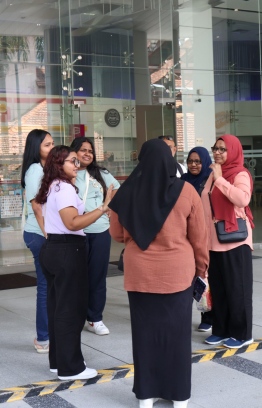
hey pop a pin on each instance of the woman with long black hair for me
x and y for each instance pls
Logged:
(38, 144)
(92, 181)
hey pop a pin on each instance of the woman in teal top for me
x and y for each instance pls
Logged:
(38, 144)
(92, 182)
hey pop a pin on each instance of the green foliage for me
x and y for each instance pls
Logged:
(39, 45)
(14, 46)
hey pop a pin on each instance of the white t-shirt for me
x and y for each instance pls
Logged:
(183, 169)
(62, 195)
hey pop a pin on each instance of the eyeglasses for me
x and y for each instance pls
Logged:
(197, 162)
(74, 161)
(166, 137)
(221, 150)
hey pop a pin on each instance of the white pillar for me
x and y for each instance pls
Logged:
(197, 75)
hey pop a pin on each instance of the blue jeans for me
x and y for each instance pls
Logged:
(35, 242)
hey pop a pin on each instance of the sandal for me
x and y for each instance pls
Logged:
(41, 348)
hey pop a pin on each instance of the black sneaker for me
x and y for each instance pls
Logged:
(204, 327)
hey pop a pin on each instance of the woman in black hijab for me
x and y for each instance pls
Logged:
(161, 221)
(145, 203)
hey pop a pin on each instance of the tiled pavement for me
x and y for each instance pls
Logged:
(228, 382)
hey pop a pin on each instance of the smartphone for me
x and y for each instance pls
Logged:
(199, 288)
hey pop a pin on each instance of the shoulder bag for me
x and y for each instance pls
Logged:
(225, 237)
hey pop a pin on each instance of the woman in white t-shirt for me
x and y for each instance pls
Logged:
(62, 258)
(38, 144)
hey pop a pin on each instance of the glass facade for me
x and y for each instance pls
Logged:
(122, 72)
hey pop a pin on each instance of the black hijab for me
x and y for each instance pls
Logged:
(145, 199)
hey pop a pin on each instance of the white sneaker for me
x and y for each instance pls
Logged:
(87, 373)
(97, 328)
(147, 403)
(55, 370)
(180, 404)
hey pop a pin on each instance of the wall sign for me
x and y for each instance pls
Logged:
(77, 130)
(112, 117)
(11, 205)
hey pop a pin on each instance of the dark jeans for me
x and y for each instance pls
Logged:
(231, 284)
(35, 242)
(63, 260)
(98, 250)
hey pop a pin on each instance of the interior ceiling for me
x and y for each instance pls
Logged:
(31, 17)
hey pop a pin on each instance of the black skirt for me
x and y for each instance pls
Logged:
(161, 334)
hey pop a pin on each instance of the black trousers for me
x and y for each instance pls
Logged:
(98, 251)
(161, 337)
(231, 285)
(63, 260)
(207, 317)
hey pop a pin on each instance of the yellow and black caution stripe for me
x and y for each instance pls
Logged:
(51, 386)
(200, 356)
(115, 373)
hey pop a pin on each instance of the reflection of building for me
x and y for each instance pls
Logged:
(130, 59)
(99, 146)
(40, 77)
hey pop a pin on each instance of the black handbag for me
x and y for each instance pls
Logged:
(225, 237)
(120, 264)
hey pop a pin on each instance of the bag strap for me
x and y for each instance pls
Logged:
(209, 196)
(87, 177)
(179, 168)
(202, 186)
